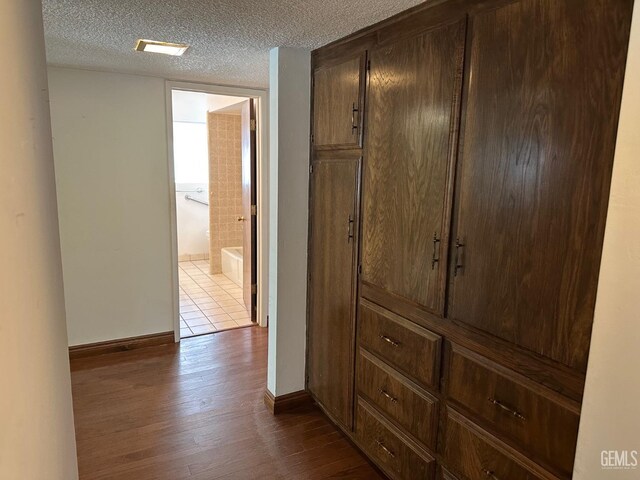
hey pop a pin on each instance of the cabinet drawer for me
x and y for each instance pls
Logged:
(388, 449)
(475, 454)
(411, 407)
(411, 349)
(541, 422)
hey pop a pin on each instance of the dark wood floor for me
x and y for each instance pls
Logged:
(196, 412)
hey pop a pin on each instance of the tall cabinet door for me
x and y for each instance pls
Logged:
(534, 171)
(337, 104)
(333, 258)
(413, 99)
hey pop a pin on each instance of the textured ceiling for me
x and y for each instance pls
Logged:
(230, 39)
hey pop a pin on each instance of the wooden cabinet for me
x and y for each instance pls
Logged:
(337, 107)
(413, 350)
(477, 455)
(538, 420)
(409, 142)
(333, 255)
(486, 131)
(537, 146)
(400, 458)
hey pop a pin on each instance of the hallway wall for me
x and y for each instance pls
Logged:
(110, 153)
(37, 438)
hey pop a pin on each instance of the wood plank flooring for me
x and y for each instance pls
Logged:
(195, 411)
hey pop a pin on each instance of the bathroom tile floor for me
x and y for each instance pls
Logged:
(209, 303)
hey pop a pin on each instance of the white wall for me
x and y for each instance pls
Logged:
(289, 101)
(192, 220)
(610, 412)
(37, 439)
(110, 152)
(191, 172)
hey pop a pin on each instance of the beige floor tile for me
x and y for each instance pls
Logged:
(213, 311)
(203, 329)
(195, 322)
(227, 303)
(221, 317)
(234, 308)
(225, 325)
(207, 305)
(188, 308)
(190, 315)
(244, 322)
(240, 315)
(185, 332)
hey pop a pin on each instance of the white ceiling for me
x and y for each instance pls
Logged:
(230, 39)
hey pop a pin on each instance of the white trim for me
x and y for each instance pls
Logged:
(262, 176)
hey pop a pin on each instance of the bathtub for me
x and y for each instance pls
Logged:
(232, 264)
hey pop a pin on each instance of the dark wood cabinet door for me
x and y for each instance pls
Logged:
(337, 100)
(333, 256)
(411, 131)
(543, 87)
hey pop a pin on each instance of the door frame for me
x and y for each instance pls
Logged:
(261, 98)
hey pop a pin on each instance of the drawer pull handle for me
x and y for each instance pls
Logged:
(501, 405)
(354, 125)
(385, 449)
(388, 396)
(390, 340)
(489, 474)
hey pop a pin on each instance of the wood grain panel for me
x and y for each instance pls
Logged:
(409, 406)
(333, 256)
(477, 455)
(392, 451)
(412, 101)
(543, 370)
(544, 81)
(408, 347)
(337, 100)
(537, 421)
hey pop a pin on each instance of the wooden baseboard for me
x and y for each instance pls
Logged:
(288, 402)
(121, 345)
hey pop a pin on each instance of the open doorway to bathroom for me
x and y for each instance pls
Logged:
(214, 179)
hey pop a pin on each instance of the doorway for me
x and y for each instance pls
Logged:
(213, 146)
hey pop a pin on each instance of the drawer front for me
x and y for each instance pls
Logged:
(542, 427)
(410, 348)
(412, 408)
(387, 448)
(473, 453)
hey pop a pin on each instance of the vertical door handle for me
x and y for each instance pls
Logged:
(458, 265)
(436, 250)
(354, 123)
(350, 229)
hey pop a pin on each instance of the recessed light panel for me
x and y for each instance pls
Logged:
(166, 48)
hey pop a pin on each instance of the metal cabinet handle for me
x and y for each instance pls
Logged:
(436, 247)
(350, 229)
(501, 405)
(354, 124)
(388, 396)
(489, 474)
(390, 341)
(384, 448)
(458, 265)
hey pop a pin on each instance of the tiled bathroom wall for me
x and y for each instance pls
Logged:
(225, 185)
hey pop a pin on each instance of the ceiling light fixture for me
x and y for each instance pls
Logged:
(167, 48)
